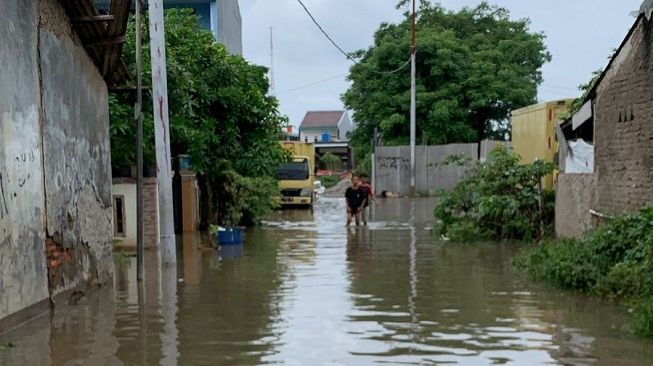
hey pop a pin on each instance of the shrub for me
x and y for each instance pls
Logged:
(244, 200)
(614, 261)
(497, 200)
(329, 181)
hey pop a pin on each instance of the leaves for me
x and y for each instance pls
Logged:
(474, 67)
(614, 261)
(218, 104)
(499, 198)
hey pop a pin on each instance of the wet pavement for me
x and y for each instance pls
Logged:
(305, 290)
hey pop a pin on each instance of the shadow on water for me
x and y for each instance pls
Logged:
(307, 291)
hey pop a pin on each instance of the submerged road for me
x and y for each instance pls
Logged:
(306, 291)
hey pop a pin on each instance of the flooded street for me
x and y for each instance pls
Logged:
(307, 291)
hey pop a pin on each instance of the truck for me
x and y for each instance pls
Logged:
(533, 133)
(297, 177)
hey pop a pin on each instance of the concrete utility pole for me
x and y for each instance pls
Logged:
(139, 145)
(413, 105)
(272, 86)
(162, 132)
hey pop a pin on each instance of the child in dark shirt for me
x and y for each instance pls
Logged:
(356, 199)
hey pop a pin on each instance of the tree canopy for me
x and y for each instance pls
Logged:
(474, 66)
(219, 105)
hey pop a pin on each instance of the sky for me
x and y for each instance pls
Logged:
(581, 34)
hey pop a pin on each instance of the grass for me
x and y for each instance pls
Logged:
(614, 261)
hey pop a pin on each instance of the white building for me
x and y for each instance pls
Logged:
(325, 126)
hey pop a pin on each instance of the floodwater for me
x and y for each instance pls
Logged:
(304, 290)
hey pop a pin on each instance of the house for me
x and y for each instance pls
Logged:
(325, 126)
(222, 17)
(58, 59)
(617, 117)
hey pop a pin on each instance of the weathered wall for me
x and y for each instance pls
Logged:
(575, 197)
(55, 179)
(624, 126)
(393, 167)
(230, 26)
(78, 165)
(126, 187)
(23, 273)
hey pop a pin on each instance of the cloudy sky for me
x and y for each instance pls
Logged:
(581, 34)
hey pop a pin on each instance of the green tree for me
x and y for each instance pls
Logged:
(474, 67)
(219, 105)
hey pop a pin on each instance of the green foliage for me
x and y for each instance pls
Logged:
(330, 181)
(614, 261)
(474, 67)
(244, 199)
(330, 160)
(497, 200)
(219, 107)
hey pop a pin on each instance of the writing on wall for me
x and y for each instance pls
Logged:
(393, 162)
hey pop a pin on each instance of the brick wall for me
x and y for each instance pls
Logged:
(624, 126)
(150, 213)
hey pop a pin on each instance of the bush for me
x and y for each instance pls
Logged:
(498, 200)
(330, 181)
(614, 261)
(244, 200)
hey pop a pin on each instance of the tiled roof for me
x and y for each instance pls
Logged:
(322, 119)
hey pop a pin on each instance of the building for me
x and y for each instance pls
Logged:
(617, 116)
(533, 132)
(221, 17)
(326, 126)
(55, 158)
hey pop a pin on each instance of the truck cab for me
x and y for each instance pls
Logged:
(297, 177)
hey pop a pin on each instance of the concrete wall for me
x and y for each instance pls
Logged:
(128, 192)
(55, 233)
(624, 126)
(126, 187)
(393, 167)
(230, 26)
(575, 196)
(23, 272)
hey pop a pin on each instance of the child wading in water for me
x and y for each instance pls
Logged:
(367, 187)
(356, 199)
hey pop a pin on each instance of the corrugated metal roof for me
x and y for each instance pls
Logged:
(322, 119)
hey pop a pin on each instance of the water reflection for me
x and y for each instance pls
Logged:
(307, 291)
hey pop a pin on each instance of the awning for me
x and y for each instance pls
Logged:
(583, 115)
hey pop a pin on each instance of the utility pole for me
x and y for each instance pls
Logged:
(272, 86)
(139, 145)
(413, 105)
(162, 132)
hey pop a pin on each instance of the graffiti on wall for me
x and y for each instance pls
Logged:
(393, 162)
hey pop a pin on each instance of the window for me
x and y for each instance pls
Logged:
(119, 216)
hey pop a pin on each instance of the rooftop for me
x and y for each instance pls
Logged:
(322, 119)
(102, 35)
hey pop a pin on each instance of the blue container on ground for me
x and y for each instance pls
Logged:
(230, 236)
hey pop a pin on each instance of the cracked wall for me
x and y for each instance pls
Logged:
(55, 178)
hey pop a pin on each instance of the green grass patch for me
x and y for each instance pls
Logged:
(329, 181)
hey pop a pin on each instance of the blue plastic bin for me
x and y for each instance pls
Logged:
(230, 236)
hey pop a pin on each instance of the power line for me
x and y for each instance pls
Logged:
(347, 55)
(311, 84)
(559, 87)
